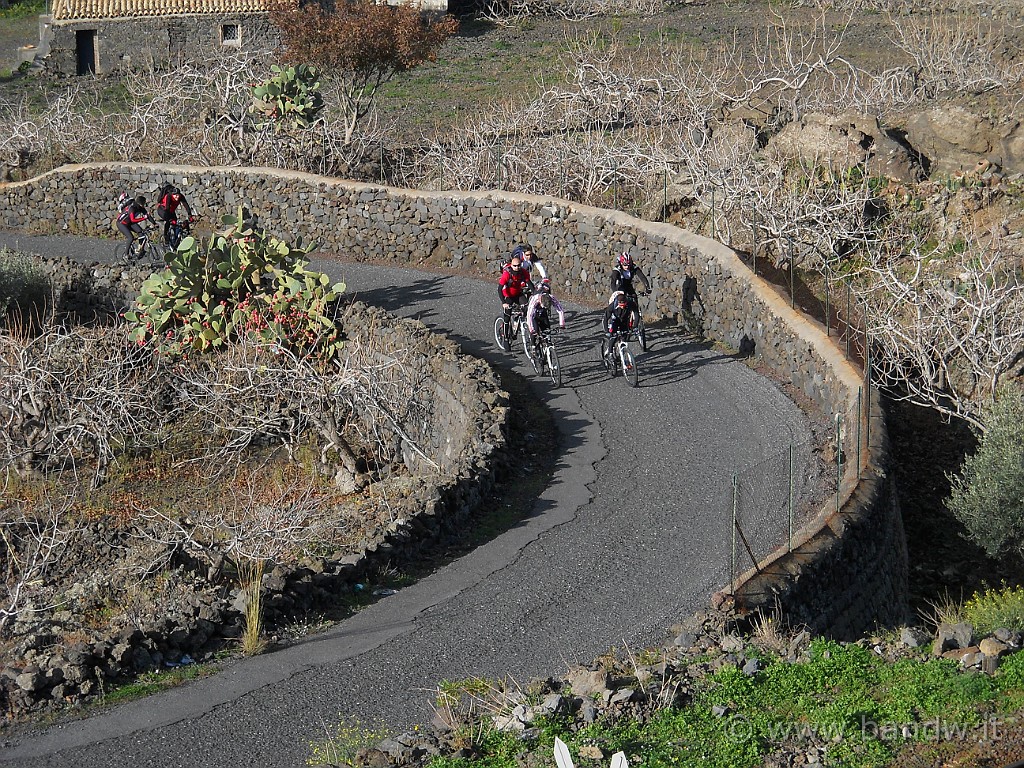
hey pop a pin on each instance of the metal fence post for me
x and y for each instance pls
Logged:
(867, 384)
(839, 458)
(664, 210)
(828, 318)
(792, 277)
(849, 316)
(732, 551)
(615, 187)
(753, 238)
(713, 213)
(859, 417)
(792, 483)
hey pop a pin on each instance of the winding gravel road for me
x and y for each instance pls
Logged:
(631, 535)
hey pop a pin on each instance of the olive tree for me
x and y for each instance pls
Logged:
(988, 496)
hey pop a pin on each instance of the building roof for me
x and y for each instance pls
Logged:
(66, 10)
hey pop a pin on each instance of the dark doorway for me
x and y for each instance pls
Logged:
(85, 51)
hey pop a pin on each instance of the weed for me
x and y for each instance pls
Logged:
(250, 578)
(24, 287)
(944, 609)
(343, 743)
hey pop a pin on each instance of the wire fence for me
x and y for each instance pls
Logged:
(766, 503)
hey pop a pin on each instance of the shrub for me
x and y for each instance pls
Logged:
(359, 45)
(994, 608)
(24, 286)
(243, 282)
(988, 496)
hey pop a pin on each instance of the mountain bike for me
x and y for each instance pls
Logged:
(178, 231)
(516, 327)
(544, 356)
(616, 356)
(139, 250)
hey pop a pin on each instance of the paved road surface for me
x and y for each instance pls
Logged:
(631, 536)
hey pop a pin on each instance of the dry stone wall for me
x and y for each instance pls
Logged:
(472, 231)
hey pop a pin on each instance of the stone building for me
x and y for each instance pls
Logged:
(84, 37)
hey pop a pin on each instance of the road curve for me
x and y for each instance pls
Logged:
(631, 535)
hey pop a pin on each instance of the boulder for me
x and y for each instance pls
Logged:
(955, 138)
(952, 637)
(846, 140)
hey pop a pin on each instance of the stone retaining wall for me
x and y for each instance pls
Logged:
(855, 545)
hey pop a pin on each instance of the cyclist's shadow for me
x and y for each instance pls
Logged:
(672, 355)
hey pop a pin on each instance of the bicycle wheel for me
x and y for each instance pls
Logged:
(119, 252)
(499, 334)
(531, 352)
(629, 369)
(607, 356)
(554, 369)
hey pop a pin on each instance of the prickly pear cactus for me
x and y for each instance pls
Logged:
(289, 99)
(242, 283)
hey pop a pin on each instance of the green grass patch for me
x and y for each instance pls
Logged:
(153, 682)
(857, 705)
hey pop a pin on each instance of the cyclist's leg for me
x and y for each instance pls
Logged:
(507, 312)
(135, 248)
(129, 237)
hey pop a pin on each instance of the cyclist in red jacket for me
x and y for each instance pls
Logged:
(167, 210)
(131, 219)
(514, 287)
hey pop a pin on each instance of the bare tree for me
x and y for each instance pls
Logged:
(946, 326)
(72, 397)
(34, 536)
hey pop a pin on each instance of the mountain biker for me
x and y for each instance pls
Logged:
(538, 318)
(623, 275)
(514, 287)
(131, 219)
(171, 198)
(617, 314)
(530, 260)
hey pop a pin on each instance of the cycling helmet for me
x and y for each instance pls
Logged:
(625, 260)
(545, 285)
(622, 300)
(140, 201)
